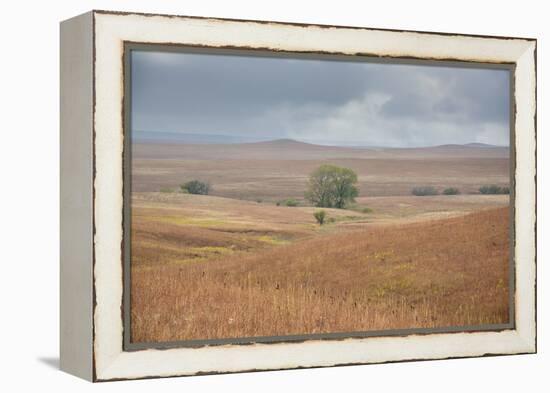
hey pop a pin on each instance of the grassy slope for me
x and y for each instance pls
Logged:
(429, 274)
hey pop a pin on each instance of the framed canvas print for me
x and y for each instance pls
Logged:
(246, 195)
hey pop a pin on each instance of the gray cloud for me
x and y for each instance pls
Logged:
(319, 101)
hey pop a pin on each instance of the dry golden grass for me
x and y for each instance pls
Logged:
(217, 281)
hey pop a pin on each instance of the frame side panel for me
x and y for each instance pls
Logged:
(76, 210)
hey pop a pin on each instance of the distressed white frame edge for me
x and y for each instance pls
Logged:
(111, 30)
(76, 177)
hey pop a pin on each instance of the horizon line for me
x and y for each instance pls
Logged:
(328, 143)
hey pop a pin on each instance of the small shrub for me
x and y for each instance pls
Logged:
(423, 191)
(196, 187)
(166, 190)
(259, 200)
(451, 191)
(288, 202)
(366, 210)
(320, 216)
(493, 190)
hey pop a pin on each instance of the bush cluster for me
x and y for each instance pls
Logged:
(451, 191)
(424, 190)
(196, 187)
(494, 189)
(288, 202)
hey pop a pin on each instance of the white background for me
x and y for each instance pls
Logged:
(29, 204)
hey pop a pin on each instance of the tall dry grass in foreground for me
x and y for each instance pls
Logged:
(440, 273)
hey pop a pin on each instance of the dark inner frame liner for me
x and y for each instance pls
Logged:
(128, 345)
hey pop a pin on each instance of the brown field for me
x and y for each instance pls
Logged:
(279, 169)
(233, 264)
(449, 272)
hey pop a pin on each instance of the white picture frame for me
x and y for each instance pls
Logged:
(92, 194)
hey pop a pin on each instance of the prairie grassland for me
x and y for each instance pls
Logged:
(233, 264)
(178, 228)
(219, 268)
(280, 169)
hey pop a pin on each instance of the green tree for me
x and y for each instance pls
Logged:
(332, 186)
(196, 187)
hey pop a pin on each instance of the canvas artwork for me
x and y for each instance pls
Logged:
(278, 197)
(242, 195)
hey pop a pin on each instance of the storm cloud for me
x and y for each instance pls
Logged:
(319, 101)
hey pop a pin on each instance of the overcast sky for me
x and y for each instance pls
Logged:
(327, 102)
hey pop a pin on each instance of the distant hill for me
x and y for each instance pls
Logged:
(161, 137)
(468, 145)
(177, 137)
(287, 143)
(481, 145)
(290, 149)
(284, 142)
